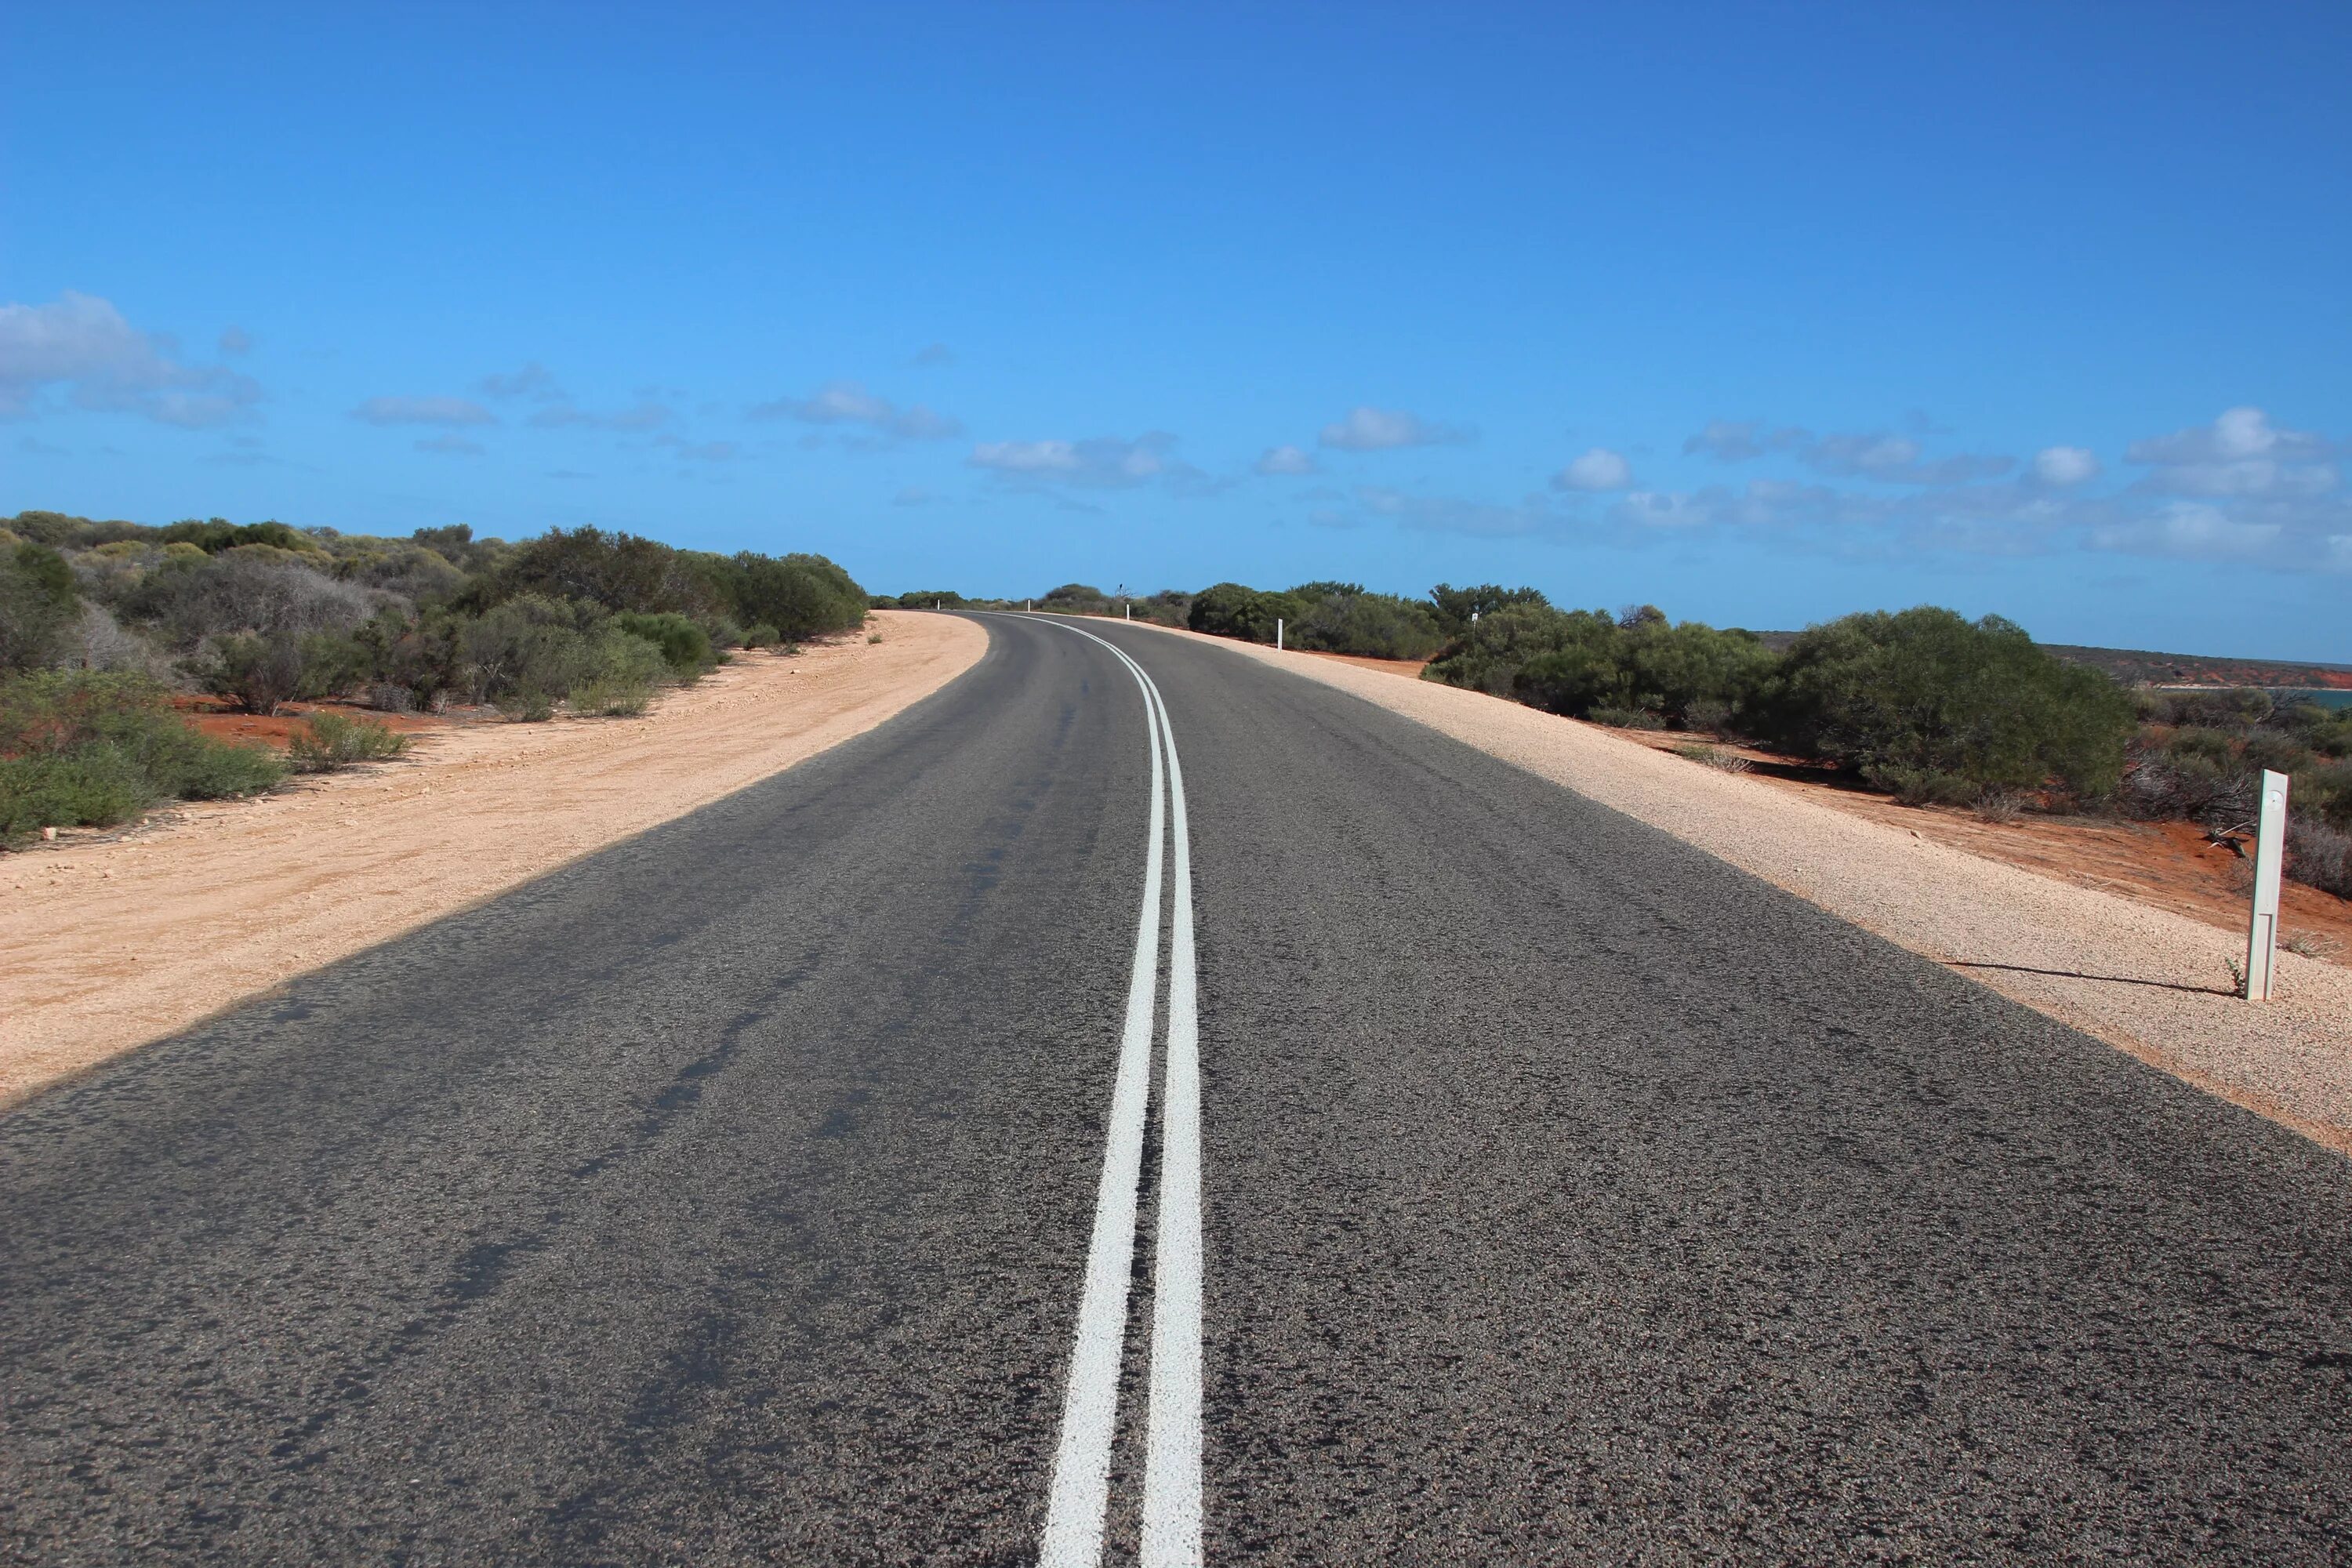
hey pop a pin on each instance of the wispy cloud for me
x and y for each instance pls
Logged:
(1739, 440)
(933, 356)
(80, 344)
(700, 451)
(235, 340)
(1453, 514)
(453, 411)
(1100, 462)
(1366, 429)
(848, 403)
(1881, 455)
(450, 446)
(1286, 460)
(533, 380)
(635, 419)
(2240, 489)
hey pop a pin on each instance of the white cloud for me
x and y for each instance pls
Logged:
(2059, 467)
(82, 343)
(1598, 470)
(451, 444)
(2241, 454)
(848, 403)
(423, 411)
(1286, 460)
(1102, 462)
(1366, 429)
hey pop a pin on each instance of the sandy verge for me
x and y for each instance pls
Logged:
(2153, 982)
(106, 945)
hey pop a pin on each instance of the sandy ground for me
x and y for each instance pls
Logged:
(106, 943)
(2153, 980)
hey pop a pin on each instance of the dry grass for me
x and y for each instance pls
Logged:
(1729, 761)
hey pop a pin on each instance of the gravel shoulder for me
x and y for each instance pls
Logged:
(2149, 981)
(106, 946)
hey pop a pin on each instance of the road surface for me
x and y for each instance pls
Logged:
(796, 1184)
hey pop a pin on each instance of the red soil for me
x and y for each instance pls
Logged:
(221, 719)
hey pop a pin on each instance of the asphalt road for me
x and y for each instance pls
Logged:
(1562, 1195)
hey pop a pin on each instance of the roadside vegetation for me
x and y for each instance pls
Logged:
(103, 625)
(1921, 704)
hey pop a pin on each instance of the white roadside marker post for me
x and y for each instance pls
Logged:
(1277, 634)
(2269, 850)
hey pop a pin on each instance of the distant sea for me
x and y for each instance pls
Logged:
(2326, 696)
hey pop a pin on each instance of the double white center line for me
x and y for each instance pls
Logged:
(1171, 1466)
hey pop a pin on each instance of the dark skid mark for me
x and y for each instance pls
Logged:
(844, 1117)
(484, 1267)
(685, 1089)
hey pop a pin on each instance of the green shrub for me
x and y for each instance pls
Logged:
(331, 741)
(1454, 607)
(89, 748)
(37, 606)
(684, 646)
(94, 786)
(1341, 617)
(1932, 706)
(1626, 719)
(261, 673)
(761, 635)
(617, 676)
(1236, 610)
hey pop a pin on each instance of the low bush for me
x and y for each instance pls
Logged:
(90, 748)
(328, 742)
(2319, 855)
(762, 635)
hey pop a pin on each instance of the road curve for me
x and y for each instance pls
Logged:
(1563, 1195)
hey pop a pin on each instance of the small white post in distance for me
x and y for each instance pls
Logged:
(1277, 634)
(2270, 851)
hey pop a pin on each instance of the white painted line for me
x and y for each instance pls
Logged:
(1172, 1474)
(1074, 1511)
(1172, 1470)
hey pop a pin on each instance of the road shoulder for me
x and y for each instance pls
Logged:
(108, 946)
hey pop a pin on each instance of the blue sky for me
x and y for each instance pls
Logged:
(1761, 313)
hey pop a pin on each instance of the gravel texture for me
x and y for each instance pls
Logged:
(105, 946)
(2153, 982)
